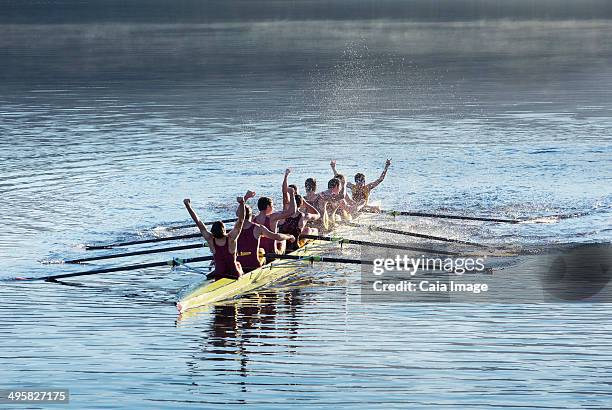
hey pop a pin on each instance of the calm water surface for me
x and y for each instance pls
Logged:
(105, 128)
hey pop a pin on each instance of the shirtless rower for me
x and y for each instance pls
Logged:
(310, 185)
(349, 207)
(222, 244)
(360, 190)
(249, 251)
(305, 204)
(296, 224)
(327, 203)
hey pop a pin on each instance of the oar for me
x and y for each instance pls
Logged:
(416, 235)
(173, 262)
(144, 252)
(143, 241)
(378, 245)
(154, 240)
(447, 216)
(192, 225)
(317, 258)
(177, 227)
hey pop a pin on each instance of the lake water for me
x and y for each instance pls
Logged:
(106, 127)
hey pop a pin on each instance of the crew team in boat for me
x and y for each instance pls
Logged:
(244, 248)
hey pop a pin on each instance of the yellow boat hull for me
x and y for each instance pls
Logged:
(223, 289)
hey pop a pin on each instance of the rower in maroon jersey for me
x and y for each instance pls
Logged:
(222, 244)
(250, 255)
(296, 224)
(285, 188)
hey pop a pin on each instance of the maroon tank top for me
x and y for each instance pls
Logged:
(248, 248)
(266, 243)
(226, 265)
(291, 226)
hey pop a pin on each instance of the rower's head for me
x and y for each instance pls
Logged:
(294, 188)
(340, 177)
(218, 230)
(334, 185)
(311, 185)
(265, 205)
(360, 179)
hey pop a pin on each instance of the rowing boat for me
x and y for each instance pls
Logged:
(210, 292)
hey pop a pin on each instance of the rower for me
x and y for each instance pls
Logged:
(296, 224)
(285, 189)
(333, 190)
(327, 203)
(222, 244)
(337, 200)
(360, 190)
(349, 207)
(250, 255)
(310, 185)
(268, 218)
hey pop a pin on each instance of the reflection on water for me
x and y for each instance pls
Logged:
(236, 327)
(385, 355)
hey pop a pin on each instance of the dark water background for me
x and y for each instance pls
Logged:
(111, 114)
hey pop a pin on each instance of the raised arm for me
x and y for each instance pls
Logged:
(288, 210)
(333, 167)
(286, 188)
(382, 176)
(348, 184)
(197, 220)
(235, 232)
